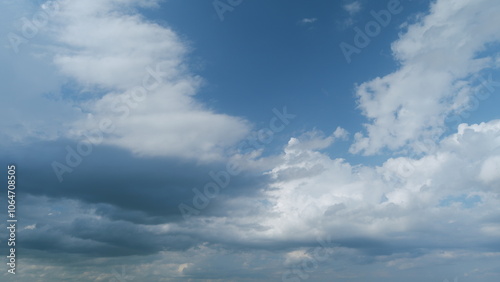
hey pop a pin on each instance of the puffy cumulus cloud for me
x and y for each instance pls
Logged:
(481, 139)
(439, 55)
(437, 211)
(125, 78)
(306, 21)
(434, 202)
(314, 194)
(151, 108)
(391, 220)
(72, 239)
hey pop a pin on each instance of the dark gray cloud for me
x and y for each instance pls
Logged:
(129, 194)
(125, 186)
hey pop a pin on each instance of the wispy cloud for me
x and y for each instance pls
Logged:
(353, 7)
(307, 21)
(438, 61)
(137, 71)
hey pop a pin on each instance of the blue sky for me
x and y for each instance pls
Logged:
(175, 141)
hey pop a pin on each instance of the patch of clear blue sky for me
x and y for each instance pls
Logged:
(463, 200)
(483, 105)
(261, 57)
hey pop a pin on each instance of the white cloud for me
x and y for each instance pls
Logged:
(490, 170)
(353, 7)
(30, 111)
(308, 20)
(111, 51)
(438, 55)
(315, 140)
(29, 227)
(445, 194)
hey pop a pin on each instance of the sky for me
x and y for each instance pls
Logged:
(251, 140)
